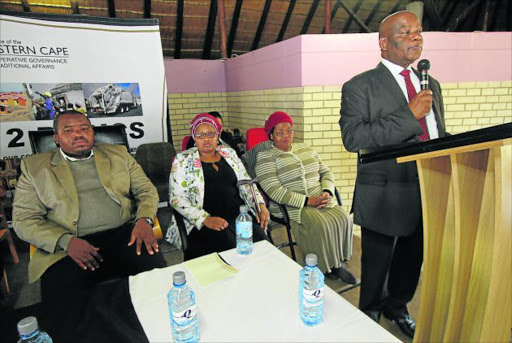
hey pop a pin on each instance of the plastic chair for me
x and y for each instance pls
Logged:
(254, 137)
(156, 161)
(185, 142)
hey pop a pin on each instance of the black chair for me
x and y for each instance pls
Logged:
(156, 161)
(42, 140)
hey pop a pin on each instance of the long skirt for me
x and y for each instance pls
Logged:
(325, 232)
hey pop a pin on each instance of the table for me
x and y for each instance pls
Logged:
(259, 304)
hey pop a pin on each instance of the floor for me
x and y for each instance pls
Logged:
(23, 294)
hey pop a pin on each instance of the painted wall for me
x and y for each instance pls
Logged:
(313, 60)
(194, 76)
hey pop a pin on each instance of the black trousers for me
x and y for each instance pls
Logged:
(390, 271)
(119, 260)
(206, 241)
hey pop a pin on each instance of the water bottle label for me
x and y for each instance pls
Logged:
(312, 297)
(184, 317)
(244, 229)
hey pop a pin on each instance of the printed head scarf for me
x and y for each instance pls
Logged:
(204, 118)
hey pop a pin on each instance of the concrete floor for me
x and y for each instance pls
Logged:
(23, 294)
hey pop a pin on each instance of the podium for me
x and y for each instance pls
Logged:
(466, 197)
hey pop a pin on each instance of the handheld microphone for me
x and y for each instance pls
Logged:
(423, 67)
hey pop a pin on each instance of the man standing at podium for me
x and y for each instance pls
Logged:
(380, 107)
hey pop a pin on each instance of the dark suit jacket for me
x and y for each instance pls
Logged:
(374, 113)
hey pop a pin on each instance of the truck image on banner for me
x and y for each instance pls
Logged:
(111, 99)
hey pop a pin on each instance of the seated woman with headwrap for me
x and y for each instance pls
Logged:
(203, 189)
(294, 175)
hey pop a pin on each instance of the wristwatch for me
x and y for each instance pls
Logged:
(149, 220)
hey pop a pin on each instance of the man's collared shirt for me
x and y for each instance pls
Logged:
(73, 159)
(395, 71)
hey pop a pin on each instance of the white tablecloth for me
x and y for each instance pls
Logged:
(259, 304)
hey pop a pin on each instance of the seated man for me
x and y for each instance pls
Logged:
(88, 209)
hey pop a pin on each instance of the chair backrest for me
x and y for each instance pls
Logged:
(156, 161)
(42, 140)
(185, 142)
(255, 136)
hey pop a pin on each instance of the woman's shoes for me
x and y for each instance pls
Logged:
(344, 275)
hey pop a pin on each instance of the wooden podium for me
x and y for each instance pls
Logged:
(466, 196)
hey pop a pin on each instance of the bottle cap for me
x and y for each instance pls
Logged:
(27, 325)
(311, 260)
(244, 208)
(178, 278)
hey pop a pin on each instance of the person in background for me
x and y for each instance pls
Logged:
(380, 107)
(203, 189)
(293, 174)
(87, 209)
(226, 137)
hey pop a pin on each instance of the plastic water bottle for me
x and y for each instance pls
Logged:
(30, 333)
(311, 292)
(182, 310)
(244, 242)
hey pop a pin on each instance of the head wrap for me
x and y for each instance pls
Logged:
(277, 118)
(204, 118)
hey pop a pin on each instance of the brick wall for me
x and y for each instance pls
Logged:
(315, 110)
(183, 107)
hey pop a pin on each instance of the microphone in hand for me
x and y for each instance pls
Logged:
(423, 67)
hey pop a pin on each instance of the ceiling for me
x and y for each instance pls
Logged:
(191, 29)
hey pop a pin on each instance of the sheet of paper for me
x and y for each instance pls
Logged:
(209, 269)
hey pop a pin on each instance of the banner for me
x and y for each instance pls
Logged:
(110, 69)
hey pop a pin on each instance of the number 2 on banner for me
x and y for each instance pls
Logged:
(15, 142)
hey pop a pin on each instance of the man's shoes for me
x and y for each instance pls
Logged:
(404, 322)
(344, 274)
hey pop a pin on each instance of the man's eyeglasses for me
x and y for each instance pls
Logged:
(280, 134)
(205, 135)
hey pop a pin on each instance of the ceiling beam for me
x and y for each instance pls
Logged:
(485, 24)
(333, 13)
(75, 7)
(372, 13)
(309, 17)
(210, 28)
(26, 6)
(460, 19)
(111, 8)
(261, 25)
(509, 17)
(286, 20)
(179, 29)
(448, 11)
(349, 20)
(433, 15)
(354, 16)
(328, 16)
(221, 13)
(147, 8)
(234, 25)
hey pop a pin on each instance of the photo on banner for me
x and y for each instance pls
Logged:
(47, 66)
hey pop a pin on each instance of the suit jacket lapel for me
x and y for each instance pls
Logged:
(63, 173)
(389, 83)
(103, 168)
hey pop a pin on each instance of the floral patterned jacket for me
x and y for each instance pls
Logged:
(186, 189)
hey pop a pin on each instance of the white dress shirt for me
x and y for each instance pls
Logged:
(395, 71)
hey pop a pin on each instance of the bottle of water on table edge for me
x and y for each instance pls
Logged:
(182, 310)
(244, 242)
(30, 333)
(311, 292)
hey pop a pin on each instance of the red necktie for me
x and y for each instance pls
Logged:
(411, 93)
